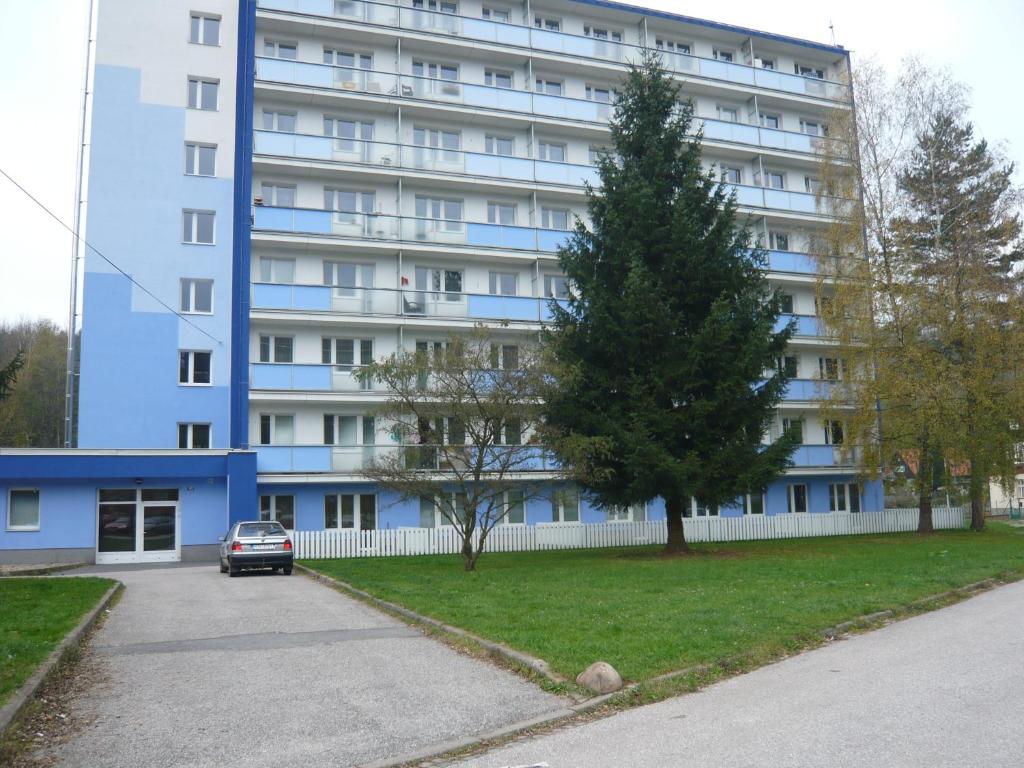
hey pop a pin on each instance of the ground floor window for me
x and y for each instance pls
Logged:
(278, 507)
(23, 510)
(565, 506)
(137, 520)
(843, 497)
(627, 513)
(753, 504)
(352, 511)
(513, 508)
(797, 497)
(437, 511)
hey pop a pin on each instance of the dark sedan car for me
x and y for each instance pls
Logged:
(256, 544)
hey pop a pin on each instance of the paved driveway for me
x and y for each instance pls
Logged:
(942, 689)
(196, 669)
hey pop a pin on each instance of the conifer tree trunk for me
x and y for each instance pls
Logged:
(676, 543)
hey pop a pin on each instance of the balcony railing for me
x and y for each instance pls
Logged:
(400, 302)
(307, 377)
(485, 30)
(356, 458)
(806, 325)
(330, 76)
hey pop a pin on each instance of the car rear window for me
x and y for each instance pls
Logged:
(245, 530)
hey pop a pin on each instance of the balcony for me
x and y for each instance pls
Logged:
(306, 377)
(484, 30)
(354, 459)
(456, 92)
(806, 325)
(825, 456)
(391, 302)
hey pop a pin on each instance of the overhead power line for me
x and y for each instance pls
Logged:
(95, 250)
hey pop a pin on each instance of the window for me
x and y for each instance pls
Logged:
(795, 429)
(555, 218)
(728, 114)
(193, 435)
(549, 23)
(276, 120)
(723, 54)
(812, 185)
(347, 277)
(599, 33)
(625, 514)
(280, 50)
(753, 504)
(600, 94)
(23, 510)
(204, 29)
(446, 141)
(513, 504)
(276, 349)
(349, 133)
(435, 71)
(196, 296)
(444, 214)
(274, 270)
(503, 283)
(511, 432)
(806, 71)
(671, 46)
(349, 204)
(499, 145)
(556, 287)
(830, 369)
(197, 227)
(594, 154)
(497, 78)
(341, 352)
(778, 241)
(193, 367)
(551, 151)
(350, 511)
(787, 303)
(495, 14)
(277, 429)
(797, 496)
(348, 431)
(202, 93)
(505, 357)
(775, 180)
(437, 280)
(501, 213)
(813, 127)
(833, 432)
(548, 86)
(200, 159)
(279, 195)
(767, 63)
(348, 59)
(704, 510)
(436, 5)
(769, 120)
(732, 175)
(843, 497)
(279, 508)
(565, 506)
(788, 366)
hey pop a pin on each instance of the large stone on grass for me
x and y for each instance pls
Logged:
(600, 677)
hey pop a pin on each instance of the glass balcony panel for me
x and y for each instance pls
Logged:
(504, 308)
(566, 173)
(748, 196)
(290, 376)
(434, 230)
(431, 21)
(434, 304)
(546, 314)
(551, 239)
(435, 159)
(501, 236)
(499, 166)
(793, 142)
(435, 90)
(786, 261)
(724, 70)
(363, 301)
(724, 131)
(293, 458)
(494, 32)
(370, 225)
(298, 72)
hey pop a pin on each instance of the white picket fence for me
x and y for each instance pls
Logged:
(521, 538)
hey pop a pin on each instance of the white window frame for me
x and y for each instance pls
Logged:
(496, 210)
(275, 120)
(547, 217)
(199, 103)
(271, 347)
(191, 368)
(672, 46)
(830, 427)
(768, 64)
(626, 514)
(604, 34)
(841, 497)
(270, 266)
(544, 84)
(491, 143)
(357, 512)
(590, 91)
(550, 283)
(506, 504)
(488, 12)
(807, 70)
(727, 114)
(276, 46)
(273, 427)
(748, 503)
(547, 23)
(732, 170)
(272, 510)
(436, 279)
(558, 507)
(545, 147)
(820, 127)
(362, 348)
(494, 280)
(275, 188)
(790, 424)
(769, 175)
(194, 168)
(763, 119)
(775, 237)
(187, 289)
(491, 78)
(791, 499)
(10, 508)
(190, 436)
(197, 32)
(727, 55)
(191, 218)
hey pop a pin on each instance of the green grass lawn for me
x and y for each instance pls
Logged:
(35, 615)
(647, 615)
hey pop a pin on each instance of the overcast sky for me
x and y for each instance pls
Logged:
(43, 42)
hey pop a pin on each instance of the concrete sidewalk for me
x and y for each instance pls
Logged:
(941, 689)
(196, 669)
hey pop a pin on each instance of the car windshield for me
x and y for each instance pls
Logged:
(247, 530)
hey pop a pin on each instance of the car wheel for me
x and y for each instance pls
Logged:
(223, 568)
(233, 570)
(288, 571)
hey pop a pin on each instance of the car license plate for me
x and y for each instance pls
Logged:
(263, 546)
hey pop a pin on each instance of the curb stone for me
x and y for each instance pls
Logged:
(21, 697)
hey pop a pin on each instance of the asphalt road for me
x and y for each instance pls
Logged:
(195, 669)
(941, 689)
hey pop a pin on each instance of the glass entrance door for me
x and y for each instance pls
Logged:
(138, 526)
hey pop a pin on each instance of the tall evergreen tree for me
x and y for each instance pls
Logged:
(661, 357)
